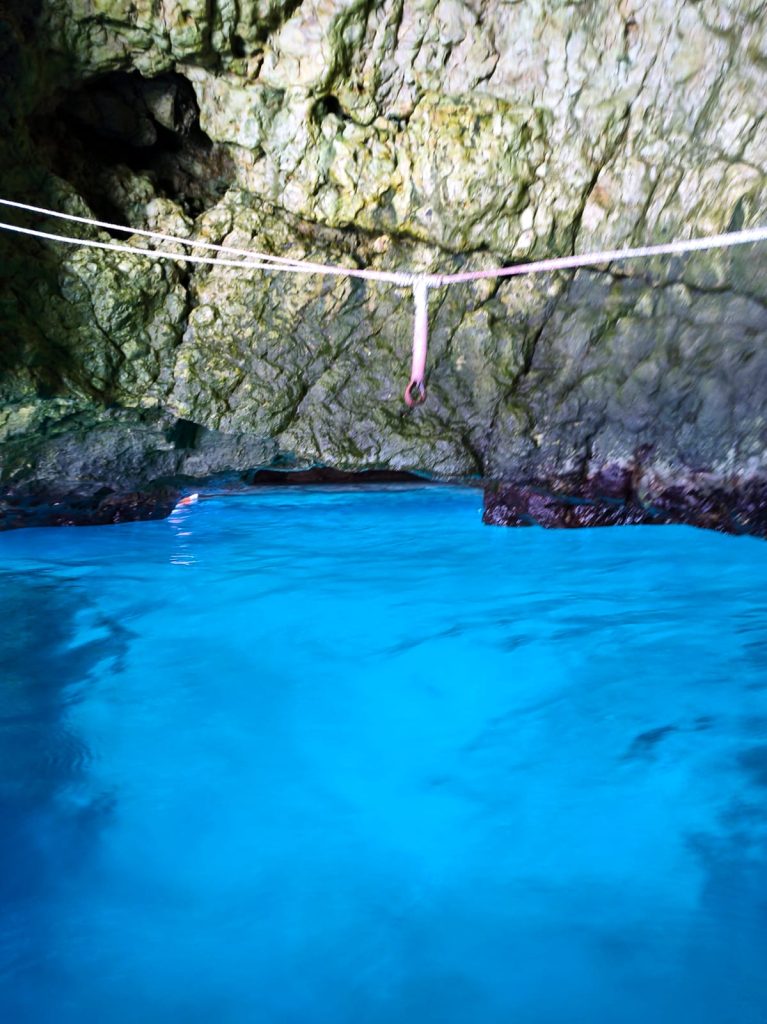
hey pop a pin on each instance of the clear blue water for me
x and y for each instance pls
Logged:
(334, 757)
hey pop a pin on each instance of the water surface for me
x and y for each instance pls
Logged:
(343, 756)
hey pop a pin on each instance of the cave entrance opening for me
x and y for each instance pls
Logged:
(121, 137)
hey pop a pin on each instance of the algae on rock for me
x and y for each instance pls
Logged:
(427, 135)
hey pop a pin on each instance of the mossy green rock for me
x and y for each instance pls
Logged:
(429, 136)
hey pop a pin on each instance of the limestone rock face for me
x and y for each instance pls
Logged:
(426, 135)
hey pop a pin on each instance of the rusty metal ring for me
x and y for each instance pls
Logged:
(415, 393)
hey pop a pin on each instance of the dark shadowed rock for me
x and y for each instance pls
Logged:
(739, 506)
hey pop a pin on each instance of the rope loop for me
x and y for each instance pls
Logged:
(415, 393)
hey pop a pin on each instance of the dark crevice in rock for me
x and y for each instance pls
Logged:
(184, 434)
(328, 475)
(327, 106)
(238, 46)
(607, 158)
(68, 504)
(738, 216)
(127, 464)
(272, 16)
(149, 125)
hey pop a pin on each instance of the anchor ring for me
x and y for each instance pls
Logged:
(415, 393)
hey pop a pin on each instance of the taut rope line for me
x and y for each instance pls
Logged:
(259, 260)
(415, 392)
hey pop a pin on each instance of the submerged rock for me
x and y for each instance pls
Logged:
(429, 136)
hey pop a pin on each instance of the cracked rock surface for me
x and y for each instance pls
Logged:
(433, 135)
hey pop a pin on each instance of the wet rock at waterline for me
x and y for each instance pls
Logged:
(622, 496)
(428, 136)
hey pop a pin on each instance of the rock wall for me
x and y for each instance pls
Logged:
(432, 135)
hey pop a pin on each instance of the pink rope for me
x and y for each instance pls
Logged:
(415, 392)
(592, 259)
(258, 260)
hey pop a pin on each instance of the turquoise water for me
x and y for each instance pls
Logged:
(334, 757)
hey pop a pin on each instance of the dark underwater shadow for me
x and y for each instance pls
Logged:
(45, 832)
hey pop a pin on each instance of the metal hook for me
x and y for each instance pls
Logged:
(415, 393)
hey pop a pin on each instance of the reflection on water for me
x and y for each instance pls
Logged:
(342, 756)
